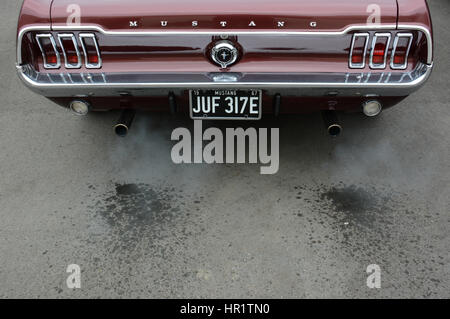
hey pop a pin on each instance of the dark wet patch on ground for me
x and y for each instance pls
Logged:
(349, 199)
(140, 212)
(142, 228)
(127, 189)
(354, 203)
(369, 225)
(351, 205)
(134, 207)
(143, 219)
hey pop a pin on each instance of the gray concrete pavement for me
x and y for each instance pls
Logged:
(139, 226)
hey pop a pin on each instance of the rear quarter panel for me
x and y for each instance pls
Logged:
(34, 12)
(414, 12)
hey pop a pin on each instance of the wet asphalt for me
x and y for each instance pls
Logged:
(140, 226)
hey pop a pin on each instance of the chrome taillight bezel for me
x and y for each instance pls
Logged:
(355, 37)
(55, 49)
(394, 50)
(92, 36)
(374, 42)
(72, 37)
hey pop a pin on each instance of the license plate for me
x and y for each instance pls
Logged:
(226, 104)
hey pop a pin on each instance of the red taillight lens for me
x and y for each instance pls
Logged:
(357, 58)
(400, 59)
(378, 53)
(402, 45)
(358, 50)
(380, 46)
(51, 58)
(92, 58)
(70, 49)
(91, 51)
(49, 51)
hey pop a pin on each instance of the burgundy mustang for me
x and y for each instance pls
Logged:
(234, 59)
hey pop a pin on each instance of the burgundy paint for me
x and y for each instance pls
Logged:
(116, 15)
(189, 53)
(34, 12)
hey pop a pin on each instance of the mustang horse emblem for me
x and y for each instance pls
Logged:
(224, 54)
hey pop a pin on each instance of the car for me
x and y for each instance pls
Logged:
(234, 59)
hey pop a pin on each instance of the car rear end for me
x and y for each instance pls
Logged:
(289, 56)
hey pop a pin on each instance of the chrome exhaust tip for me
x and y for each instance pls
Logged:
(332, 123)
(334, 130)
(124, 123)
(121, 130)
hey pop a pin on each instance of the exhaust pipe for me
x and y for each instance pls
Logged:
(332, 123)
(124, 123)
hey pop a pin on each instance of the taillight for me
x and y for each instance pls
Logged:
(70, 50)
(91, 51)
(380, 48)
(358, 50)
(50, 54)
(400, 51)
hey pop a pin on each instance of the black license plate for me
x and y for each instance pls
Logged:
(226, 104)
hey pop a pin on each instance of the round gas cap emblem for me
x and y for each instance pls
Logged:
(224, 54)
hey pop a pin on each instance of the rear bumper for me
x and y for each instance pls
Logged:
(152, 84)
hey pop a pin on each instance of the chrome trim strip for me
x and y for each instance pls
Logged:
(162, 33)
(52, 40)
(225, 32)
(394, 50)
(75, 44)
(83, 36)
(374, 41)
(198, 81)
(363, 64)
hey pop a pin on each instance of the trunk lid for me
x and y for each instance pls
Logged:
(300, 15)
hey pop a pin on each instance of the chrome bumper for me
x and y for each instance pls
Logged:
(149, 84)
